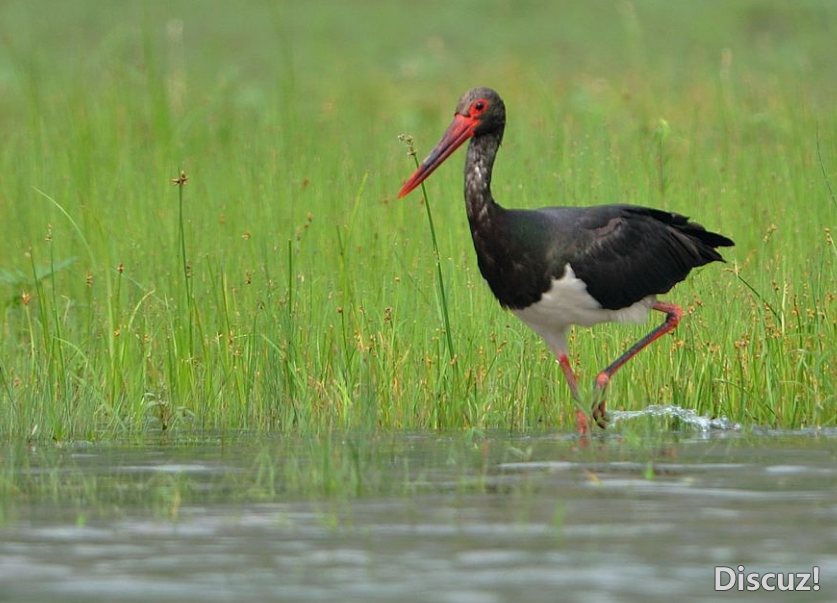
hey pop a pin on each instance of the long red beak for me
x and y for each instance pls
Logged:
(458, 132)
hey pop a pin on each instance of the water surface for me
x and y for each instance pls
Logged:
(636, 515)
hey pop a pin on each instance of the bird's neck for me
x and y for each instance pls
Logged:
(478, 165)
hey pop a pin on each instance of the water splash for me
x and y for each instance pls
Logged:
(686, 415)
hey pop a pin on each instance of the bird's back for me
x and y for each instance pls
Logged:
(622, 252)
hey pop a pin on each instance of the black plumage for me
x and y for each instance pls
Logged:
(623, 255)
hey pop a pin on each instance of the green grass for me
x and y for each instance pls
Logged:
(295, 293)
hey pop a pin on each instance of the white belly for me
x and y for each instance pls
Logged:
(568, 303)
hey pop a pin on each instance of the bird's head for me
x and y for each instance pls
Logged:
(480, 111)
(483, 109)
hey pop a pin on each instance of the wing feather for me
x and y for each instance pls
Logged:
(625, 253)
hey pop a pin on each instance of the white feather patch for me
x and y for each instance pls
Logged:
(567, 303)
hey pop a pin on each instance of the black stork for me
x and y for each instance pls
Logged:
(560, 266)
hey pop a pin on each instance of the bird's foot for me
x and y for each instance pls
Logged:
(582, 419)
(582, 423)
(599, 413)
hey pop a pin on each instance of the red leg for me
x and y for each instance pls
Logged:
(582, 425)
(569, 374)
(673, 315)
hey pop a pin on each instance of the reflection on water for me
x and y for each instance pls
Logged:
(642, 515)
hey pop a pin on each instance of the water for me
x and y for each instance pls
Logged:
(684, 415)
(635, 515)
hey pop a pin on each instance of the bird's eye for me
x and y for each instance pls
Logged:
(479, 106)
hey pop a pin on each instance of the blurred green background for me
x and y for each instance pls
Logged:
(310, 296)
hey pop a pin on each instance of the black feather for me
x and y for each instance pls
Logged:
(622, 252)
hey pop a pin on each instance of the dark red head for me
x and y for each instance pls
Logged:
(479, 111)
